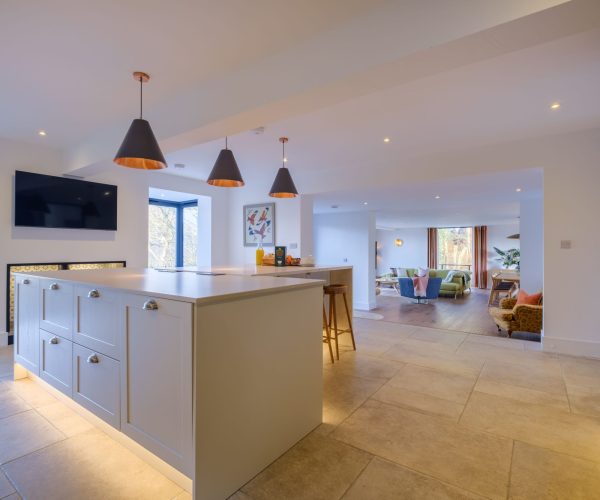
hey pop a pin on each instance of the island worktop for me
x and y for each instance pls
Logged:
(183, 286)
(212, 377)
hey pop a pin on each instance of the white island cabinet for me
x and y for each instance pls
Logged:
(215, 376)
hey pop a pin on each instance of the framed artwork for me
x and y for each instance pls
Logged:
(259, 224)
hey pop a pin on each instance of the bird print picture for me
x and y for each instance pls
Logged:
(259, 224)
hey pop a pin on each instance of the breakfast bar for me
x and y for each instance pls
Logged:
(214, 372)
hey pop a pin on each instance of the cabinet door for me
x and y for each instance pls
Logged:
(56, 356)
(56, 307)
(157, 369)
(96, 384)
(97, 321)
(27, 343)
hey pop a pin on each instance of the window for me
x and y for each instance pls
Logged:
(172, 233)
(455, 247)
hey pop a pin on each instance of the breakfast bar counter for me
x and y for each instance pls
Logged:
(215, 375)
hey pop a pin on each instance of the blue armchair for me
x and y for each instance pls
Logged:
(407, 289)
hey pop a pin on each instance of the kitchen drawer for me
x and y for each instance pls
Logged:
(56, 356)
(27, 323)
(97, 320)
(96, 384)
(56, 307)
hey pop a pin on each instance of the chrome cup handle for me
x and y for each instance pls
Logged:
(54, 340)
(54, 286)
(93, 358)
(150, 305)
(93, 294)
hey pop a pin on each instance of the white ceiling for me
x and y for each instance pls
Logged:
(167, 195)
(67, 64)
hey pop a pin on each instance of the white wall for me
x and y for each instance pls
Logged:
(349, 238)
(571, 276)
(412, 253)
(129, 242)
(497, 237)
(293, 222)
(532, 245)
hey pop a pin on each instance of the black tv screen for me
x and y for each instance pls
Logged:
(59, 202)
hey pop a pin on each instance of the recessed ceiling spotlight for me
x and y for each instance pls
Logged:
(437, 196)
(179, 165)
(365, 202)
(335, 206)
(518, 190)
(42, 133)
(555, 105)
(386, 139)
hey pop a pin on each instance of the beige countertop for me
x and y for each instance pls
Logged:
(183, 286)
(252, 270)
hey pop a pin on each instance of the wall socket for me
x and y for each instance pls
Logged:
(565, 244)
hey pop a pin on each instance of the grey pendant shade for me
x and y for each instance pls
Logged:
(140, 148)
(283, 186)
(225, 172)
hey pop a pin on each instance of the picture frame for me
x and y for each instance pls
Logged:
(259, 224)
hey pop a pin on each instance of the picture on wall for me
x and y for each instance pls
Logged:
(259, 224)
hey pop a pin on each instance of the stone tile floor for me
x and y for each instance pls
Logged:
(415, 413)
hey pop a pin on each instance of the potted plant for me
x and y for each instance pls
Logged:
(509, 258)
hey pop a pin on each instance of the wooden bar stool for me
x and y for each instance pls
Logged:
(332, 291)
(327, 336)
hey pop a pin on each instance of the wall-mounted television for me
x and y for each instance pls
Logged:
(60, 202)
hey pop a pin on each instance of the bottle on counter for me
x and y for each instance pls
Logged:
(260, 253)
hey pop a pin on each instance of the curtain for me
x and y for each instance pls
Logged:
(480, 273)
(432, 247)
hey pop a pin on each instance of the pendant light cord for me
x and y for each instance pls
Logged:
(141, 95)
(226, 143)
(283, 157)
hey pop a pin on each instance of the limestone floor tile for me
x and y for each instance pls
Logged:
(506, 343)
(428, 346)
(540, 378)
(438, 337)
(10, 403)
(471, 460)
(31, 392)
(343, 394)
(6, 488)
(584, 400)
(14, 496)
(443, 361)
(538, 473)
(90, 466)
(315, 468)
(358, 364)
(25, 432)
(454, 387)
(507, 355)
(382, 329)
(184, 495)
(558, 400)
(580, 367)
(64, 419)
(383, 480)
(418, 401)
(370, 345)
(239, 495)
(540, 425)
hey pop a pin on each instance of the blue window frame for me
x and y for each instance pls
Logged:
(179, 206)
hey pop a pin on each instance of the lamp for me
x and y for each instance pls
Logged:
(140, 148)
(283, 186)
(225, 172)
(398, 242)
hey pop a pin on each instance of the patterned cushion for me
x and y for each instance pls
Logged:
(501, 314)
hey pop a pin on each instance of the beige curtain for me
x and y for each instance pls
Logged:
(432, 247)
(480, 273)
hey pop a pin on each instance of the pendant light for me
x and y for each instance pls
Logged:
(140, 148)
(225, 172)
(283, 186)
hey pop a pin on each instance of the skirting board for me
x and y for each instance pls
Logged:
(161, 466)
(572, 347)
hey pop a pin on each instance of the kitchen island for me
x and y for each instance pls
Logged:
(215, 376)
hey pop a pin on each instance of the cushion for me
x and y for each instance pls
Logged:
(450, 286)
(422, 272)
(532, 300)
(450, 276)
